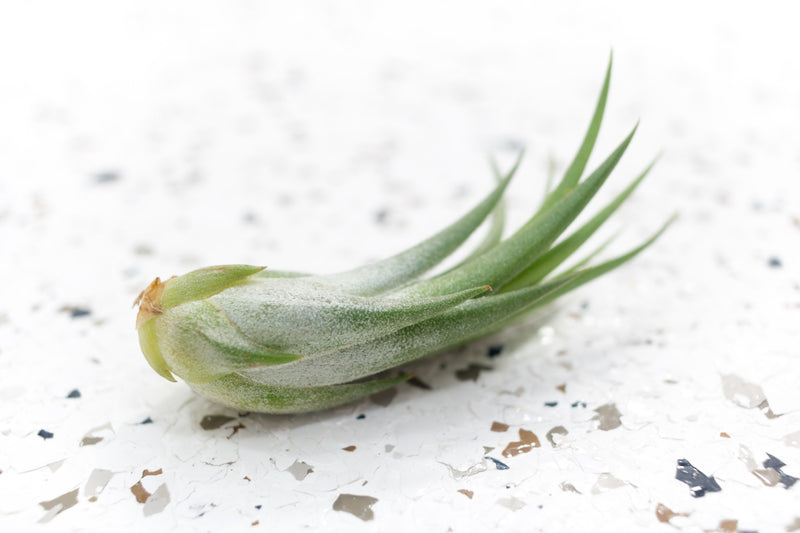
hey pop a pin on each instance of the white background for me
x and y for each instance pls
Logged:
(143, 139)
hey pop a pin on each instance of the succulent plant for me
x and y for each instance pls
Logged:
(285, 342)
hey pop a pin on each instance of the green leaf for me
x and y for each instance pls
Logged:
(406, 266)
(303, 315)
(204, 282)
(450, 328)
(241, 392)
(494, 235)
(198, 343)
(575, 170)
(148, 341)
(516, 253)
(556, 255)
(577, 278)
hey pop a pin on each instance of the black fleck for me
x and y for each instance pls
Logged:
(775, 262)
(107, 176)
(45, 434)
(495, 350)
(362, 416)
(147, 420)
(74, 393)
(416, 382)
(76, 312)
(576, 404)
(258, 506)
(776, 464)
(698, 482)
(550, 404)
(499, 464)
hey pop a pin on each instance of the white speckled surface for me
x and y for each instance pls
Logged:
(144, 139)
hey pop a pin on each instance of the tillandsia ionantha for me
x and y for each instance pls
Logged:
(286, 342)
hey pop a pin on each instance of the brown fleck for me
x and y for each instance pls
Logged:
(467, 493)
(247, 478)
(724, 435)
(384, 397)
(471, 372)
(254, 523)
(562, 387)
(729, 526)
(59, 504)
(93, 499)
(558, 430)
(350, 448)
(528, 441)
(665, 514)
(609, 417)
(358, 506)
(140, 492)
(147, 472)
(210, 422)
(90, 441)
(236, 429)
(499, 427)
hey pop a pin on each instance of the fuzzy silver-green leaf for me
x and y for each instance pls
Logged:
(285, 342)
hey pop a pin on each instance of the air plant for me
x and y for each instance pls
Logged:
(288, 342)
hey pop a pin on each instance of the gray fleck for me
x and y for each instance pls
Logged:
(792, 439)
(97, 481)
(605, 482)
(157, 502)
(609, 417)
(472, 372)
(558, 430)
(569, 487)
(358, 506)
(742, 393)
(385, 397)
(515, 504)
(90, 439)
(59, 504)
(471, 471)
(299, 470)
(210, 422)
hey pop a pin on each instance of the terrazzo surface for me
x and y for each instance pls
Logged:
(147, 139)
